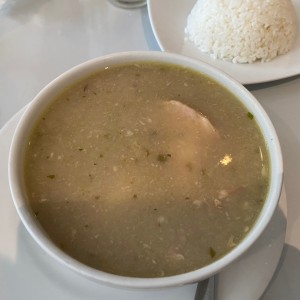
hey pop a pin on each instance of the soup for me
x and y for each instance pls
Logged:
(146, 170)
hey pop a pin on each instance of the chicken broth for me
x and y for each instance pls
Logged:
(146, 170)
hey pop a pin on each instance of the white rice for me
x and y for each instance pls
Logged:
(242, 31)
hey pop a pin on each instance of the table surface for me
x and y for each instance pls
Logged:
(40, 39)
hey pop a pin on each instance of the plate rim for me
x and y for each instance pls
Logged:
(240, 75)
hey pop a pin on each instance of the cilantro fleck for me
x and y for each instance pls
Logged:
(212, 252)
(85, 87)
(250, 115)
(163, 157)
(147, 152)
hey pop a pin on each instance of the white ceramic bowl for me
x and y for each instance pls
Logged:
(42, 100)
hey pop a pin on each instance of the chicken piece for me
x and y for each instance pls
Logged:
(192, 135)
(176, 155)
(187, 115)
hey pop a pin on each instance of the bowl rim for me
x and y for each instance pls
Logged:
(81, 71)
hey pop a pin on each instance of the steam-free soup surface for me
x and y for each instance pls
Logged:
(146, 170)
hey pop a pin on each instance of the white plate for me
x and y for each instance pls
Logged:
(26, 272)
(168, 20)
